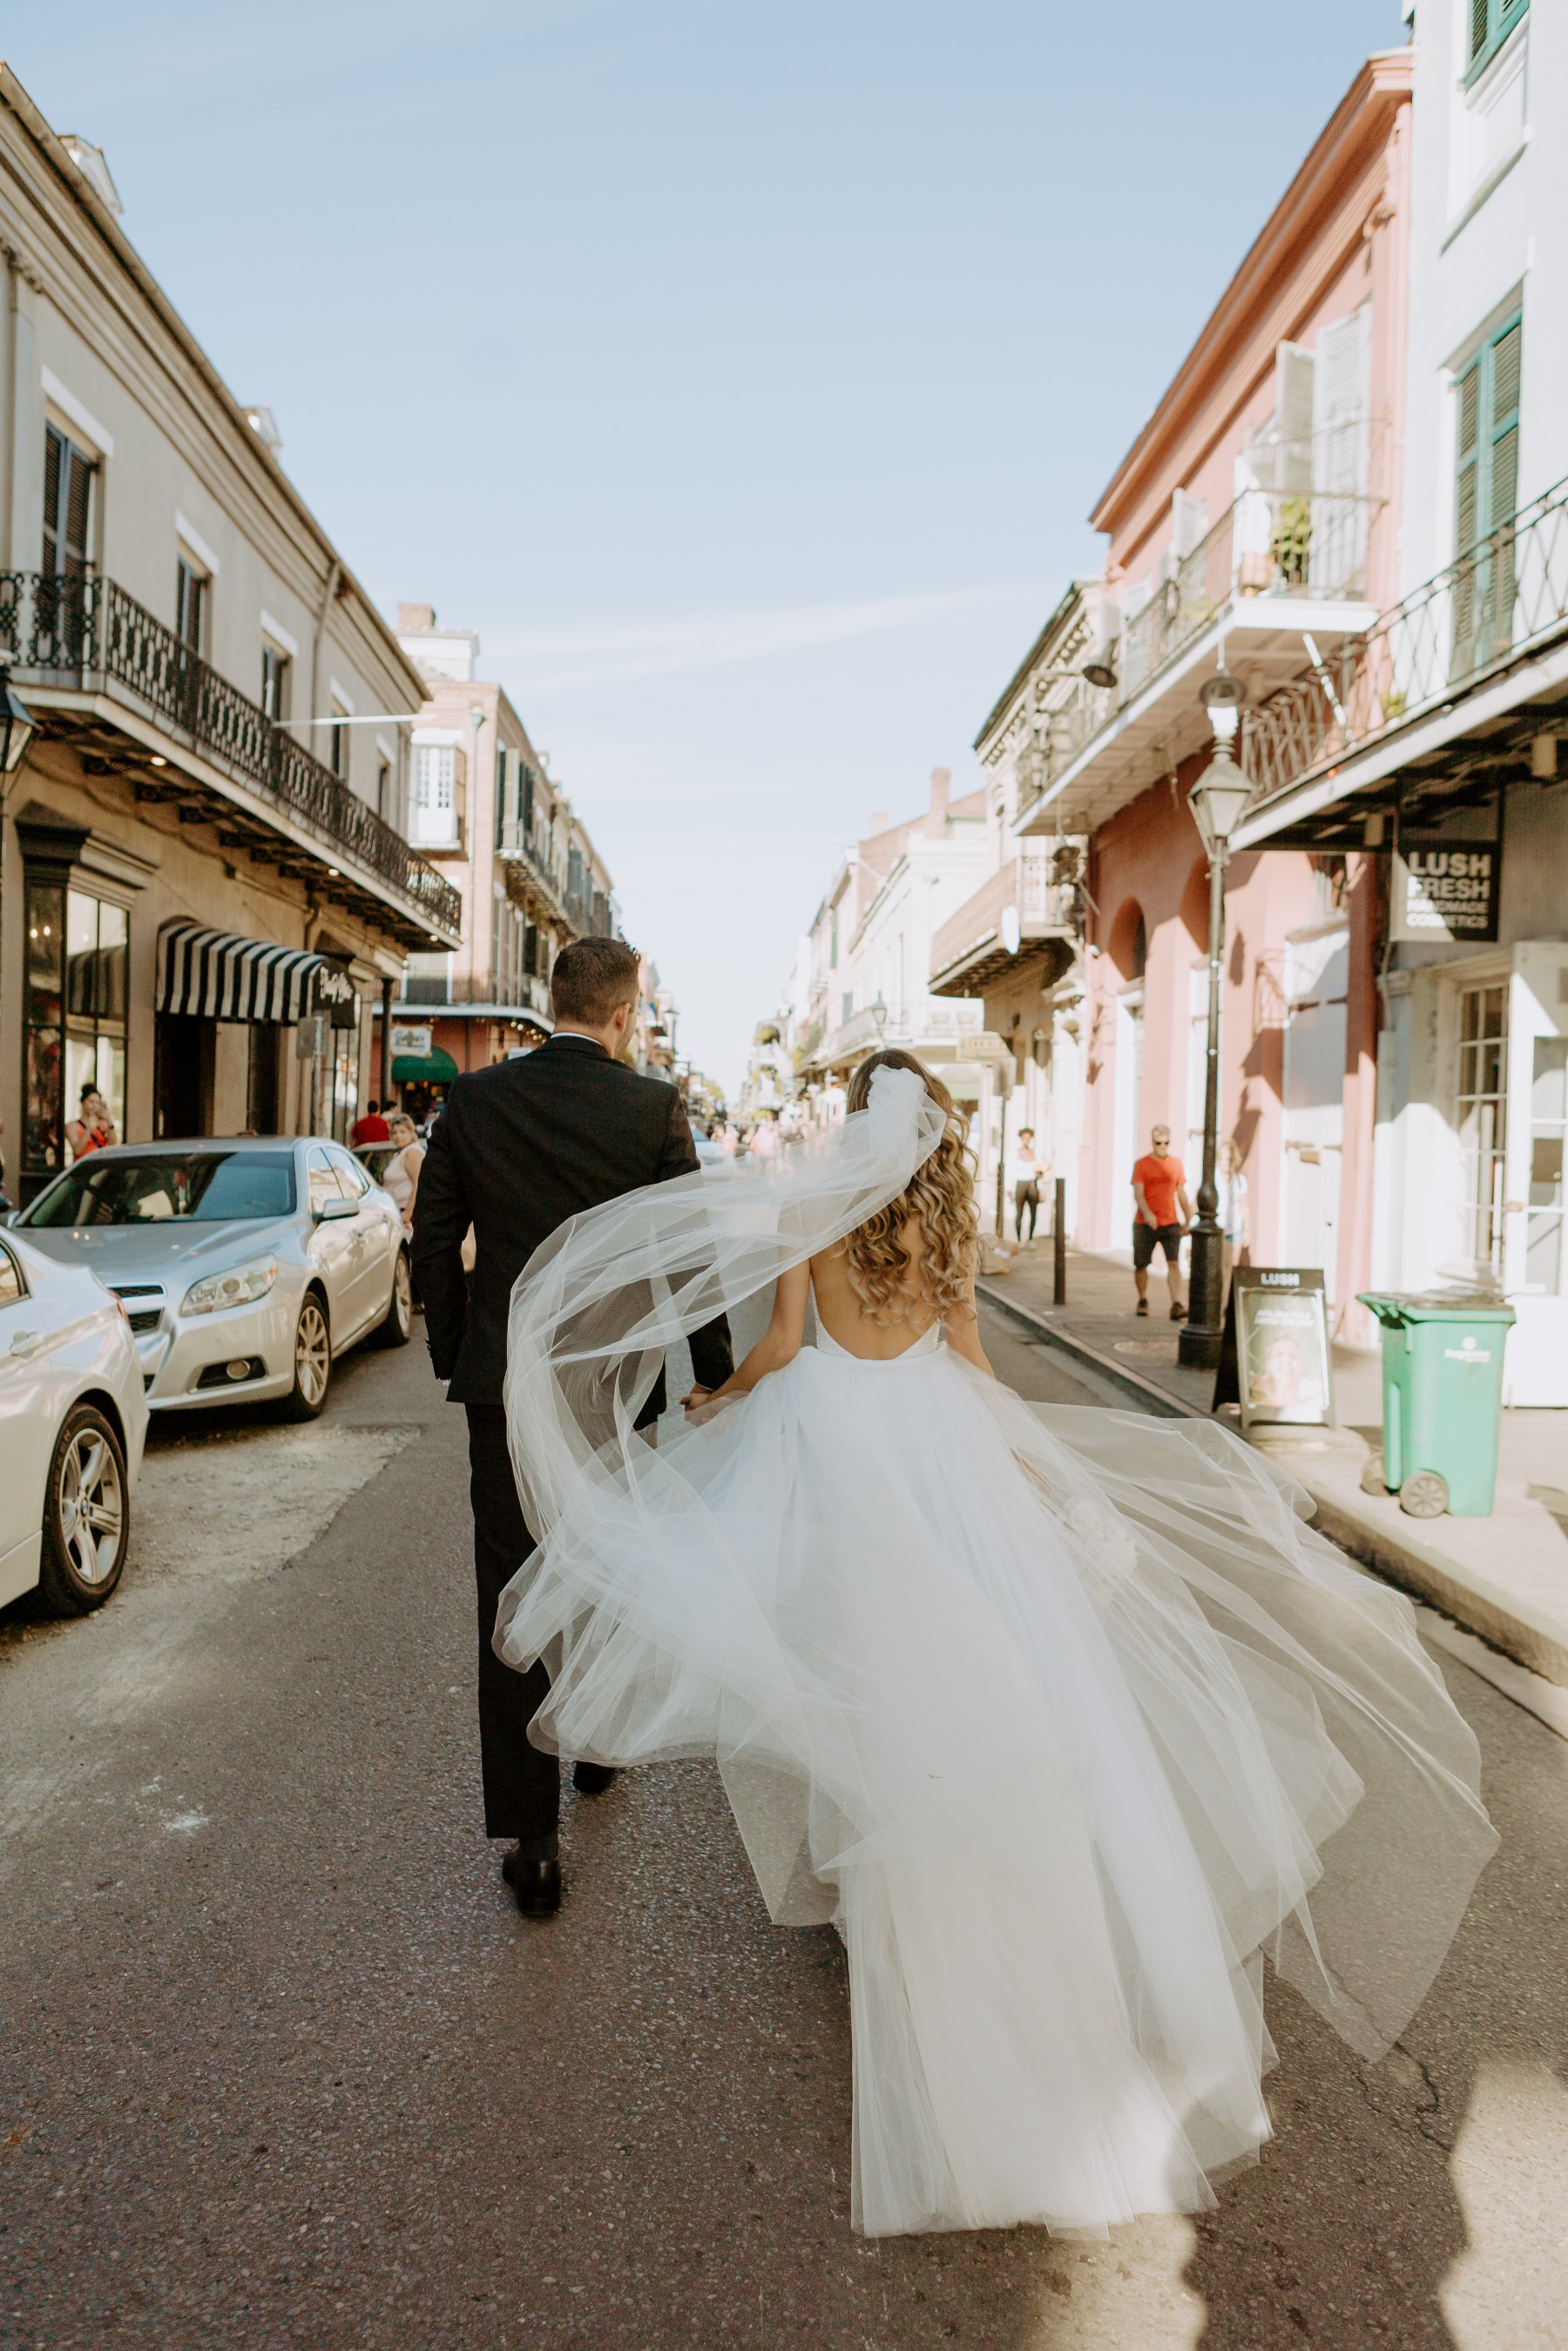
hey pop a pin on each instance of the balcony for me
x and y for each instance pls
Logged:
(527, 847)
(1276, 570)
(476, 995)
(1015, 915)
(101, 671)
(1411, 685)
(926, 1023)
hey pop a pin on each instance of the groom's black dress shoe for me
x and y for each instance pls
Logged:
(536, 1884)
(592, 1779)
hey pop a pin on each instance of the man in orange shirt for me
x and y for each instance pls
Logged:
(1163, 1215)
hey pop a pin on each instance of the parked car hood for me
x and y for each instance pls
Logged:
(146, 1252)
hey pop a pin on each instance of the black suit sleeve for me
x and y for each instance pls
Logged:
(713, 1357)
(442, 1216)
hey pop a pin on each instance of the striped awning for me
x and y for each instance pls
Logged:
(226, 977)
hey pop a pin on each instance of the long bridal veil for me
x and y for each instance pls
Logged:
(1094, 1661)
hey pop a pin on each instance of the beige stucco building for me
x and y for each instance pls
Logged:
(206, 874)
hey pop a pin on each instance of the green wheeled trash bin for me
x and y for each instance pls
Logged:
(1442, 1402)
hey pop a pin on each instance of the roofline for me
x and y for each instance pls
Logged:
(1382, 85)
(1074, 588)
(88, 200)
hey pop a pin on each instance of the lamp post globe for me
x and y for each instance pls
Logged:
(1217, 801)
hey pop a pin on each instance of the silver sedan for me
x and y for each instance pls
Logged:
(246, 1265)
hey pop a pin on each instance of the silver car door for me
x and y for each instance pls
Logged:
(30, 1400)
(332, 1244)
(373, 1266)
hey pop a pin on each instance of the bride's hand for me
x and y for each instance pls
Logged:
(693, 1403)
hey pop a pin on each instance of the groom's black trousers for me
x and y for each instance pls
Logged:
(522, 1786)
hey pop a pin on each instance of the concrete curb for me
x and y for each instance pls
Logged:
(1469, 1600)
(1141, 1390)
(1509, 1624)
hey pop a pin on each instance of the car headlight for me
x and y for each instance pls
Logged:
(242, 1286)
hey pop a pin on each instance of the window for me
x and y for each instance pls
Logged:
(1480, 1104)
(275, 668)
(337, 743)
(1548, 1131)
(158, 1188)
(383, 791)
(322, 1179)
(67, 507)
(11, 1286)
(1485, 494)
(435, 792)
(1491, 22)
(190, 605)
(74, 1019)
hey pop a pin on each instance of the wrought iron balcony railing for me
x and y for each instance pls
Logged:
(1502, 595)
(76, 632)
(500, 992)
(1268, 544)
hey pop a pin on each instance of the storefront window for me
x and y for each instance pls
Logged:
(78, 949)
(1480, 1105)
(1548, 1129)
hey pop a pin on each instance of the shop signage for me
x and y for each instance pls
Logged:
(413, 1038)
(336, 994)
(1275, 1360)
(1444, 889)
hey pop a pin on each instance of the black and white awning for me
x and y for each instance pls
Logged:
(225, 976)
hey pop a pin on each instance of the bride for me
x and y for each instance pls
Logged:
(1061, 1716)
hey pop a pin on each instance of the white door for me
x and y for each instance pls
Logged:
(1534, 1236)
(1317, 974)
(1129, 1139)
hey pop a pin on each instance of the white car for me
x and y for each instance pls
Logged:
(73, 1421)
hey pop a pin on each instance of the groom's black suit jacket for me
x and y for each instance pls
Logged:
(519, 1148)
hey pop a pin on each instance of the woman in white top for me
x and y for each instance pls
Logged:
(401, 1175)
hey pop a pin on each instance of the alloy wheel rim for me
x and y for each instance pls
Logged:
(93, 1507)
(402, 1295)
(311, 1354)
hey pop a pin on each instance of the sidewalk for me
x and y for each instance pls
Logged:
(1503, 1578)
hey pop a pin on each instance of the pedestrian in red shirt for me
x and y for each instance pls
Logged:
(371, 1128)
(1163, 1215)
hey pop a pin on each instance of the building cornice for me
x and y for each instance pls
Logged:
(246, 449)
(1343, 152)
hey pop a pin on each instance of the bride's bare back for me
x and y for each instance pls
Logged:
(841, 1314)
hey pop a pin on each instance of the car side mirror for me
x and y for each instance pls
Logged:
(333, 1211)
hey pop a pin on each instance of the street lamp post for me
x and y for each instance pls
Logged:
(1217, 801)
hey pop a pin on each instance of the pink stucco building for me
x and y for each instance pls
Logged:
(1253, 526)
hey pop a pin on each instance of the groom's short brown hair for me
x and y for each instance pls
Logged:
(591, 977)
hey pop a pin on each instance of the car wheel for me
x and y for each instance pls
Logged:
(312, 1361)
(396, 1328)
(87, 1516)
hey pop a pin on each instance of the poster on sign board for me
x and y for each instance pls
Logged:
(1276, 1362)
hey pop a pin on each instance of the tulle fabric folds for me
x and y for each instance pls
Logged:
(1065, 1716)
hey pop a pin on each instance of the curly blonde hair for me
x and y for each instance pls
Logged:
(941, 1199)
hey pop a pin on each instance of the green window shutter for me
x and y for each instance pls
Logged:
(1480, 26)
(1467, 503)
(1491, 22)
(1502, 485)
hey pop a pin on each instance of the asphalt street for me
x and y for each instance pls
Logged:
(280, 2063)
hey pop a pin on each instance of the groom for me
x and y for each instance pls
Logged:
(519, 1148)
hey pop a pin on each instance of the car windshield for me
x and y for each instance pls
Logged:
(198, 1187)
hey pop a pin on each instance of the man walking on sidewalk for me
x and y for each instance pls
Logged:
(1162, 1216)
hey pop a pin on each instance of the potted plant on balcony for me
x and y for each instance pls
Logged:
(1292, 541)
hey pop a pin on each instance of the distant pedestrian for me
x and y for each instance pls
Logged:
(1161, 1217)
(1232, 1209)
(401, 1178)
(1027, 1171)
(371, 1128)
(93, 1128)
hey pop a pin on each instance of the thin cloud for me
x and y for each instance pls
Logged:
(559, 659)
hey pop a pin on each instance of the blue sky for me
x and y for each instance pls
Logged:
(743, 374)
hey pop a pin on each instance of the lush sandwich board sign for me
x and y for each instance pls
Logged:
(1275, 1360)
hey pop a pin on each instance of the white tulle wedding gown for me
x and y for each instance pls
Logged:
(1063, 1715)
